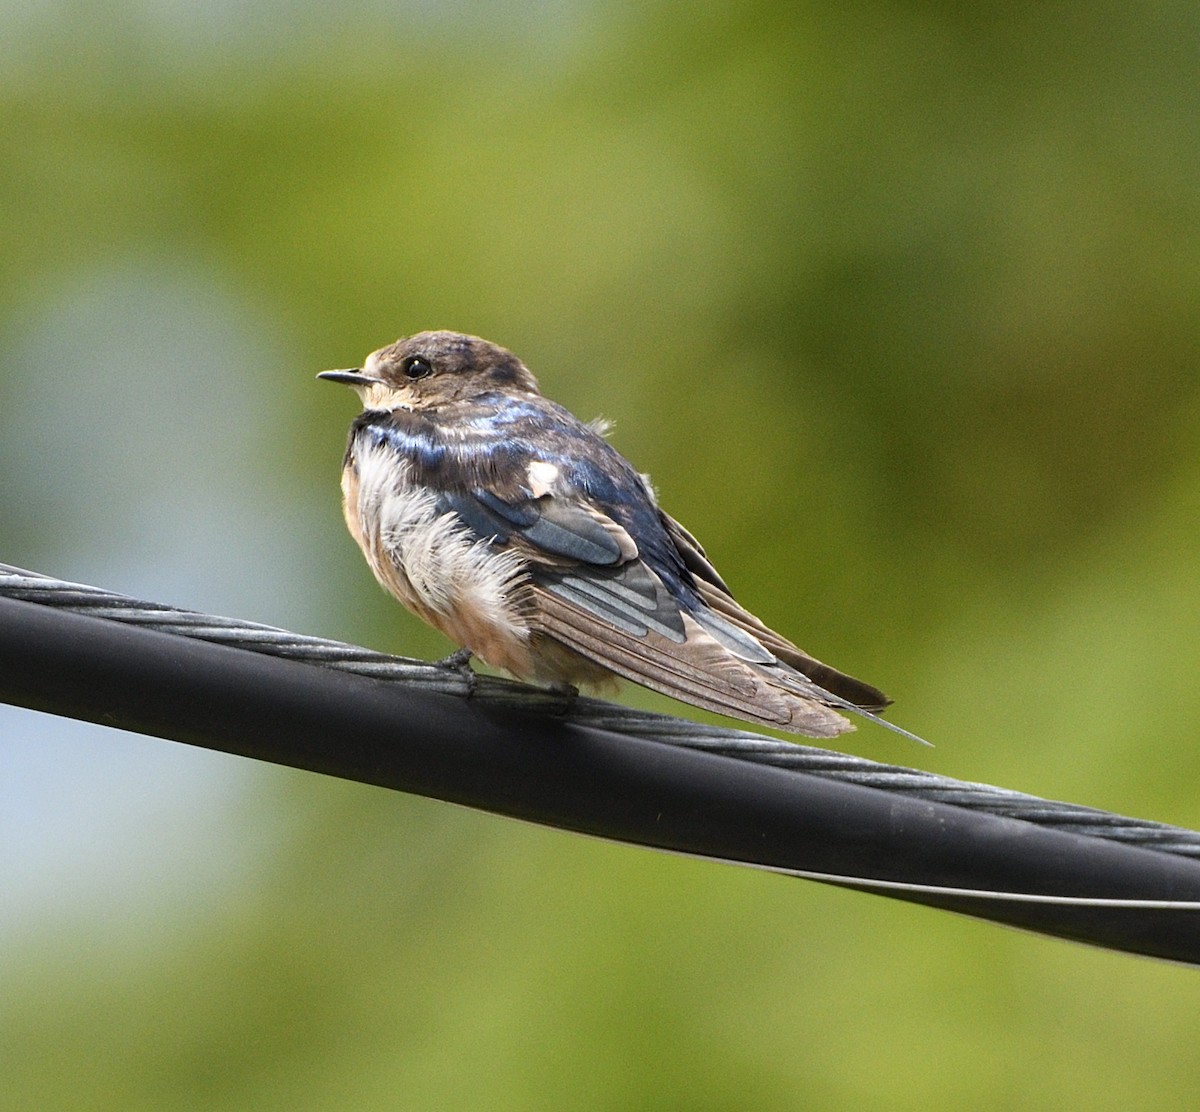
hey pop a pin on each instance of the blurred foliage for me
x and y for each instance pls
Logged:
(896, 302)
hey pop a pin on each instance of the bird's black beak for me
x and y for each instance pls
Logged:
(352, 377)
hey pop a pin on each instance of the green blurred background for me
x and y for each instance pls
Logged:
(896, 302)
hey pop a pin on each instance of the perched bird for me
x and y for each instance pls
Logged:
(518, 531)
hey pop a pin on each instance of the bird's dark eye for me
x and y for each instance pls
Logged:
(416, 366)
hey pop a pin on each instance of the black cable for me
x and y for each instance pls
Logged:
(730, 742)
(488, 753)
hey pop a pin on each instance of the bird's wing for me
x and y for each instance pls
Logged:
(596, 593)
(720, 599)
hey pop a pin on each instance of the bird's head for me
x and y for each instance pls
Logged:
(433, 369)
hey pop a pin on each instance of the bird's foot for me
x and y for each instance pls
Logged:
(460, 661)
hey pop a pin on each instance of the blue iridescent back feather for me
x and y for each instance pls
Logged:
(482, 450)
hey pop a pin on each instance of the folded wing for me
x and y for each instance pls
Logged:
(594, 593)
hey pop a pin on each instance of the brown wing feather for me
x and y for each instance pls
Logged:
(718, 596)
(619, 615)
(698, 671)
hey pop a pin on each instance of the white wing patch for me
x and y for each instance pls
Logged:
(542, 477)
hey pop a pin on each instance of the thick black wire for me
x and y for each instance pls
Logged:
(490, 752)
(492, 691)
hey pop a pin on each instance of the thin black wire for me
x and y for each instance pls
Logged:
(744, 745)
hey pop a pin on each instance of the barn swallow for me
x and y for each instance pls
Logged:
(520, 533)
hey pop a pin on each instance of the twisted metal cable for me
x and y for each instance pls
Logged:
(744, 745)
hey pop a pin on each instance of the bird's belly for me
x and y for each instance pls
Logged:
(473, 591)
